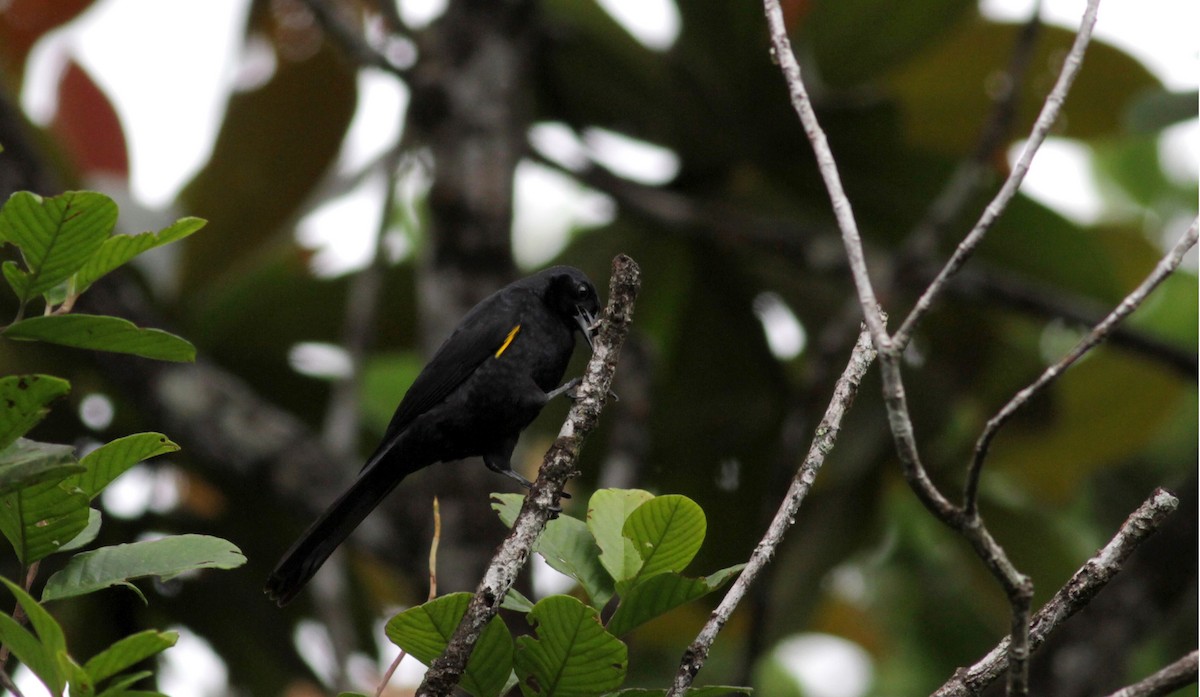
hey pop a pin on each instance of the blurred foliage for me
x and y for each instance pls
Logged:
(902, 90)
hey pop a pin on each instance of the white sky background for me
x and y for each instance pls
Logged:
(171, 127)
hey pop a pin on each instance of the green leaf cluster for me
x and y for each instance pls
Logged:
(633, 546)
(66, 244)
(44, 652)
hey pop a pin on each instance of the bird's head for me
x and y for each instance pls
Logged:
(573, 297)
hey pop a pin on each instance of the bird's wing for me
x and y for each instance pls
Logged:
(480, 335)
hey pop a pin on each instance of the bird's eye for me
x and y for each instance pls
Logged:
(581, 290)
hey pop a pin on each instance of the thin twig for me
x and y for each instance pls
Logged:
(822, 444)
(1041, 127)
(28, 575)
(557, 467)
(350, 41)
(1099, 333)
(433, 547)
(1179, 674)
(1089, 580)
(7, 683)
(781, 47)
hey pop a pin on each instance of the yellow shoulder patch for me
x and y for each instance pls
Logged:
(508, 340)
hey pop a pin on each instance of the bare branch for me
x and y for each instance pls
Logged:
(781, 50)
(1099, 333)
(822, 444)
(1164, 682)
(1041, 127)
(1089, 580)
(557, 467)
(894, 397)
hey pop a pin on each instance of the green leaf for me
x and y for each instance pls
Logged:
(88, 535)
(607, 511)
(119, 249)
(572, 655)
(1154, 110)
(567, 546)
(120, 688)
(28, 462)
(29, 651)
(39, 520)
(111, 460)
(955, 71)
(50, 636)
(911, 28)
(23, 403)
(103, 333)
(666, 531)
(128, 652)
(56, 235)
(516, 601)
(78, 682)
(118, 565)
(17, 279)
(658, 594)
(425, 630)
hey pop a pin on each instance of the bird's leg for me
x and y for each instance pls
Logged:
(568, 388)
(502, 465)
(516, 476)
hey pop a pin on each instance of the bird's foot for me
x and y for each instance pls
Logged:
(529, 485)
(571, 389)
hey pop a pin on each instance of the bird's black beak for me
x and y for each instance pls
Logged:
(586, 321)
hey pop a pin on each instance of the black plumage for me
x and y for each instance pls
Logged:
(484, 385)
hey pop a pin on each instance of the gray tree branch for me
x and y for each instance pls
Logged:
(822, 444)
(1164, 682)
(1017, 586)
(1089, 580)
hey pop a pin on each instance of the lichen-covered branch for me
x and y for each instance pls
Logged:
(1179, 674)
(1072, 597)
(557, 467)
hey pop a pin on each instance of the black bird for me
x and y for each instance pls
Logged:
(486, 383)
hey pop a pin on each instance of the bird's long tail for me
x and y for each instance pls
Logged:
(306, 556)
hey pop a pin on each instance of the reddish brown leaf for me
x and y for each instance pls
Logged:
(87, 125)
